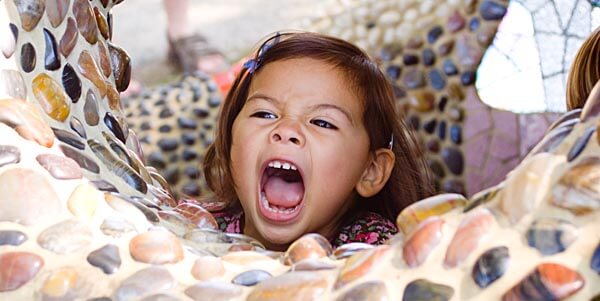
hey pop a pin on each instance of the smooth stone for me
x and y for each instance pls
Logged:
(437, 168)
(69, 38)
(372, 291)
(468, 53)
(83, 201)
(312, 264)
(454, 186)
(17, 269)
(423, 290)
(84, 161)
(422, 241)
(199, 216)
(144, 282)
(468, 78)
(102, 24)
(113, 124)
(441, 130)
(349, 249)
(491, 10)
(12, 237)
(28, 57)
(89, 69)
(551, 235)
(428, 57)
(51, 97)
(9, 155)
(116, 227)
(449, 68)
(453, 158)
(471, 230)
(578, 189)
(156, 247)
(106, 258)
(434, 146)
(168, 144)
(161, 297)
(311, 245)
(393, 72)
(251, 277)
(119, 168)
(213, 291)
(208, 267)
(410, 59)
(413, 78)
(13, 84)
(127, 210)
(69, 138)
(430, 126)
(51, 56)
(104, 60)
(456, 134)
(455, 22)
(90, 109)
(437, 80)
(292, 286)
(70, 236)
(490, 266)
(71, 83)
(412, 216)
(23, 205)
(25, 118)
(77, 126)
(62, 168)
(246, 258)
(30, 12)
(580, 144)
(86, 21)
(548, 281)
(434, 34)
(56, 10)
(421, 101)
(445, 47)
(595, 262)
(360, 264)
(64, 284)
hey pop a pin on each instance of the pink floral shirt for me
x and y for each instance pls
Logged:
(367, 227)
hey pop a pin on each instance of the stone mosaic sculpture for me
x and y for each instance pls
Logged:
(82, 219)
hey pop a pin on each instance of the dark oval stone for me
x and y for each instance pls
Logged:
(474, 24)
(105, 186)
(189, 155)
(165, 113)
(371, 290)
(437, 80)
(106, 258)
(414, 122)
(490, 266)
(422, 289)
(201, 113)
(51, 58)
(491, 10)
(410, 59)
(251, 278)
(456, 134)
(432, 145)
(441, 130)
(428, 57)
(86, 21)
(191, 189)
(434, 34)
(214, 101)
(393, 72)
(453, 159)
(118, 167)
(69, 138)
(437, 168)
(192, 172)
(551, 235)
(30, 12)
(114, 126)
(168, 144)
(81, 159)
(429, 126)
(77, 127)
(580, 144)
(164, 128)
(188, 138)
(442, 103)
(145, 126)
(454, 186)
(449, 68)
(121, 64)
(14, 30)
(157, 160)
(172, 175)
(71, 83)
(69, 38)
(467, 78)
(12, 237)
(413, 78)
(90, 109)
(9, 155)
(595, 263)
(27, 57)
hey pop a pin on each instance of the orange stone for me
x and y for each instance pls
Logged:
(26, 120)
(208, 267)
(156, 247)
(89, 69)
(60, 283)
(360, 264)
(471, 230)
(426, 237)
(102, 23)
(104, 60)
(414, 214)
(51, 97)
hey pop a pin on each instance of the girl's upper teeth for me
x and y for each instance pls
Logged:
(284, 165)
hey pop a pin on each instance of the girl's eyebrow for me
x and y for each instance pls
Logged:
(263, 97)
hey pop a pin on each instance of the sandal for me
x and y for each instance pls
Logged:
(194, 53)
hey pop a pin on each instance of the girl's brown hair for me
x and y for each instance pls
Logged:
(585, 71)
(409, 180)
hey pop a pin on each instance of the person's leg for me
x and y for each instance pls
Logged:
(178, 25)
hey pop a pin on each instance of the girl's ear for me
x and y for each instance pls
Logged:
(377, 173)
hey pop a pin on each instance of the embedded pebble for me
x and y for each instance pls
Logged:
(21, 204)
(474, 226)
(424, 290)
(548, 281)
(360, 264)
(251, 277)
(595, 262)
(292, 286)
(156, 247)
(312, 264)
(66, 237)
(69, 38)
(51, 56)
(12, 237)
(51, 97)
(372, 291)
(62, 168)
(310, 245)
(199, 216)
(423, 240)
(83, 201)
(143, 282)
(30, 12)
(213, 291)
(116, 227)
(17, 269)
(490, 266)
(414, 214)
(349, 249)
(578, 189)
(9, 155)
(551, 235)
(106, 258)
(208, 267)
(86, 21)
(56, 11)
(64, 284)
(25, 118)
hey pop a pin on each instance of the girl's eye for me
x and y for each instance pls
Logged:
(264, 115)
(323, 124)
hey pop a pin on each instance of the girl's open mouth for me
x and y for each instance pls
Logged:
(282, 191)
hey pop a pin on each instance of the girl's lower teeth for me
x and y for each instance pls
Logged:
(274, 208)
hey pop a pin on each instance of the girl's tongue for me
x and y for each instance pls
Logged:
(282, 193)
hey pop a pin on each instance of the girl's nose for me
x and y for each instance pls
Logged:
(288, 132)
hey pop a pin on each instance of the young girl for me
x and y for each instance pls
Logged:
(308, 141)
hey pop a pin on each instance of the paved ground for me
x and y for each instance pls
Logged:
(233, 25)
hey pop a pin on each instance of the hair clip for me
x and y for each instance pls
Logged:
(253, 64)
(391, 144)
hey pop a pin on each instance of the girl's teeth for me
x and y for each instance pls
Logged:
(286, 165)
(277, 164)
